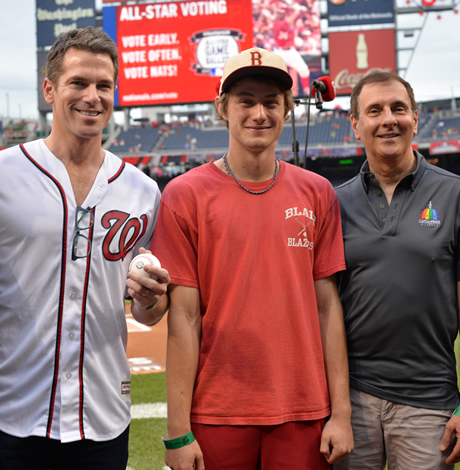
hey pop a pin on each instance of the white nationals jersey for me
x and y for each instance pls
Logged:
(63, 367)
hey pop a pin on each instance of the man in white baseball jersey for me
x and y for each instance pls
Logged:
(71, 218)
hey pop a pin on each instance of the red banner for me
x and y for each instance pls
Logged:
(352, 54)
(175, 52)
(449, 146)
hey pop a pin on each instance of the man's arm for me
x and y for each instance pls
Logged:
(149, 294)
(337, 437)
(453, 425)
(184, 335)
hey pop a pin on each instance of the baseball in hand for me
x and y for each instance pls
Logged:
(146, 259)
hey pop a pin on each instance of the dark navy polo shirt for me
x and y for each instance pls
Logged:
(399, 291)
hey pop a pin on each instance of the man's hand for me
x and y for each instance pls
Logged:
(147, 290)
(336, 440)
(452, 428)
(185, 458)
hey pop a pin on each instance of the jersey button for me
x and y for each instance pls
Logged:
(73, 296)
(68, 375)
(71, 336)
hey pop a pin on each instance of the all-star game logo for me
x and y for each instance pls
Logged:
(213, 48)
(430, 217)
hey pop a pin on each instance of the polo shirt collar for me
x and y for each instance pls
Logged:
(414, 177)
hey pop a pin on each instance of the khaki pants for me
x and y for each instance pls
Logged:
(405, 436)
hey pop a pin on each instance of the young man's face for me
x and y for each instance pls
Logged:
(84, 95)
(255, 114)
(386, 123)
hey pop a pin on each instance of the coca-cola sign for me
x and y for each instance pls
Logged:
(353, 54)
(344, 79)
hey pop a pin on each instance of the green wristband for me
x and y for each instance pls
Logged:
(151, 306)
(179, 441)
(456, 411)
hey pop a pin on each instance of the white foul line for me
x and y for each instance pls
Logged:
(149, 410)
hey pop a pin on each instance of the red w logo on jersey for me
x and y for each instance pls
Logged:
(127, 231)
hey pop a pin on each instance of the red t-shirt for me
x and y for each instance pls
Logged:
(255, 259)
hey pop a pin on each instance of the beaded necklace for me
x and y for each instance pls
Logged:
(230, 173)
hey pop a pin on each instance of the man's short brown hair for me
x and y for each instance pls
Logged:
(378, 77)
(88, 39)
(287, 93)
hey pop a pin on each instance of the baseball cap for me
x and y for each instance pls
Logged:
(254, 61)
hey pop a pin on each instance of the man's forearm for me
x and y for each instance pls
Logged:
(336, 360)
(333, 337)
(153, 315)
(184, 333)
(337, 436)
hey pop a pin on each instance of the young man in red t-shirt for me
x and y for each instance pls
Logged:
(257, 357)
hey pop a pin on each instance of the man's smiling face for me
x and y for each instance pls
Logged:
(255, 114)
(386, 123)
(84, 95)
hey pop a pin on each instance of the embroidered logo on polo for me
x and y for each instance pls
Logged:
(304, 219)
(430, 217)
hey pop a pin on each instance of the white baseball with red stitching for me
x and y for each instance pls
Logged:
(137, 264)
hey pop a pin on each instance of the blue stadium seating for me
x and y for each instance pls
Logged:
(441, 129)
(325, 132)
(328, 131)
(180, 138)
(136, 140)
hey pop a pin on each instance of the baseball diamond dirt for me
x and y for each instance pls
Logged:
(146, 349)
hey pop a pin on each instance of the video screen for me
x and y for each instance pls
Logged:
(173, 53)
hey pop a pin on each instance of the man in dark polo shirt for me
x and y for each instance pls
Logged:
(401, 222)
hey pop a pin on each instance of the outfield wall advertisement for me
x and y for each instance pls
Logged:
(174, 52)
(354, 53)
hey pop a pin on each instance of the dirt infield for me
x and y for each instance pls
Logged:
(146, 349)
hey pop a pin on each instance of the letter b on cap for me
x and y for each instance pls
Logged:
(256, 58)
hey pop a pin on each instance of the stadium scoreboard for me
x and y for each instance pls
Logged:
(174, 52)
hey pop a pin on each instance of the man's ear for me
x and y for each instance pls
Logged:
(219, 108)
(354, 125)
(415, 123)
(48, 90)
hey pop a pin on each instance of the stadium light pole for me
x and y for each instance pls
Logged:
(7, 105)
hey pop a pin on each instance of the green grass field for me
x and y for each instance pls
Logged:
(146, 450)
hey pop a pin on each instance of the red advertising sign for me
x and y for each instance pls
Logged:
(449, 146)
(352, 54)
(174, 52)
